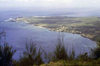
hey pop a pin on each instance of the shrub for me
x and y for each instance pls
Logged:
(31, 55)
(83, 57)
(6, 53)
(96, 52)
(72, 56)
(60, 51)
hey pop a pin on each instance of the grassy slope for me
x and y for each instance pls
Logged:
(74, 63)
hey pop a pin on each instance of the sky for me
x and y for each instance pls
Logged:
(51, 5)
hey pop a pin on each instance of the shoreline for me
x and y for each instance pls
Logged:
(82, 34)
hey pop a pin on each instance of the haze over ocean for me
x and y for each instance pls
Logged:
(50, 7)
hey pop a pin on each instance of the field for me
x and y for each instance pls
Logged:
(86, 26)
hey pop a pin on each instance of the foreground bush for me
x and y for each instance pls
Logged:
(96, 52)
(60, 51)
(31, 56)
(84, 57)
(6, 54)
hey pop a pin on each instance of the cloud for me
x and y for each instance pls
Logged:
(48, 4)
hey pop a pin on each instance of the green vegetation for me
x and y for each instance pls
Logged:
(6, 53)
(81, 60)
(60, 51)
(86, 26)
(32, 56)
(96, 52)
(74, 63)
